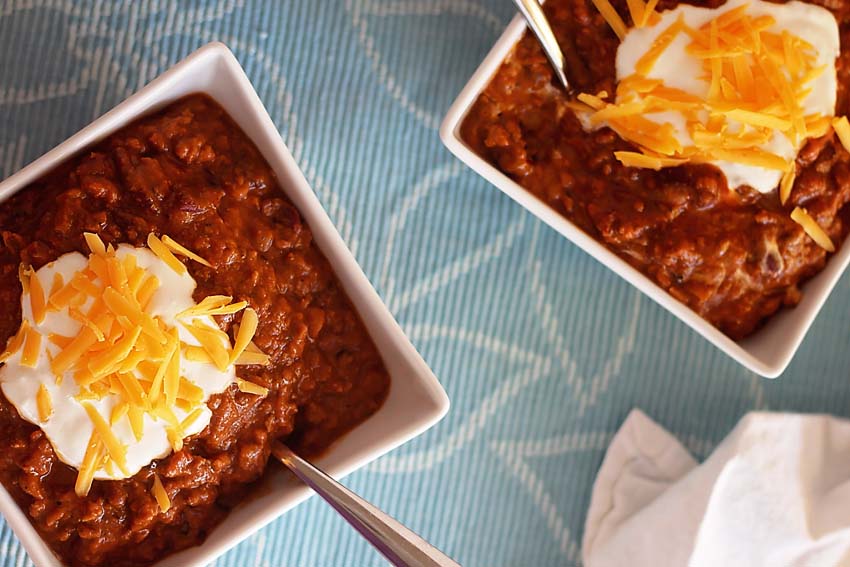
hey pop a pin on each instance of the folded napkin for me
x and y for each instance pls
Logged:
(775, 492)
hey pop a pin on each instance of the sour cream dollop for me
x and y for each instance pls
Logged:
(69, 428)
(681, 70)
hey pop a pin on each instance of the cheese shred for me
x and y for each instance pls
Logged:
(95, 244)
(183, 251)
(636, 159)
(786, 185)
(842, 129)
(32, 344)
(251, 388)
(16, 342)
(38, 302)
(636, 9)
(662, 42)
(253, 358)
(160, 495)
(611, 16)
(246, 332)
(44, 403)
(164, 254)
(117, 451)
(91, 462)
(812, 228)
(649, 14)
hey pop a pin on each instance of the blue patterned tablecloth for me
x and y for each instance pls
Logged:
(542, 350)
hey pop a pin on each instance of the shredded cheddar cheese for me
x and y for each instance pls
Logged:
(210, 339)
(119, 412)
(757, 79)
(160, 495)
(116, 450)
(16, 342)
(251, 388)
(247, 328)
(611, 16)
(812, 228)
(136, 416)
(648, 14)
(122, 350)
(95, 244)
(57, 284)
(183, 251)
(95, 453)
(44, 403)
(191, 418)
(32, 342)
(161, 250)
(642, 13)
(636, 8)
(647, 61)
(38, 302)
(252, 358)
(636, 159)
(842, 130)
(786, 185)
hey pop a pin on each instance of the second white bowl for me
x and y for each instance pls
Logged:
(766, 352)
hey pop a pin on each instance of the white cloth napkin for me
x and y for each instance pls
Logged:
(775, 493)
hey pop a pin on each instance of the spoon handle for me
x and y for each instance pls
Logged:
(539, 25)
(399, 545)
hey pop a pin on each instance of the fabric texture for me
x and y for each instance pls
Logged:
(774, 492)
(543, 351)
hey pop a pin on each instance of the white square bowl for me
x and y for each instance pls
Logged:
(416, 400)
(766, 352)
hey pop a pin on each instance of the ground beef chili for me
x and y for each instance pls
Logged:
(735, 257)
(189, 172)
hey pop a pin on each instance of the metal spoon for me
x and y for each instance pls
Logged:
(539, 26)
(399, 545)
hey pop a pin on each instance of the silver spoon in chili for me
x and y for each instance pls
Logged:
(539, 26)
(399, 545)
